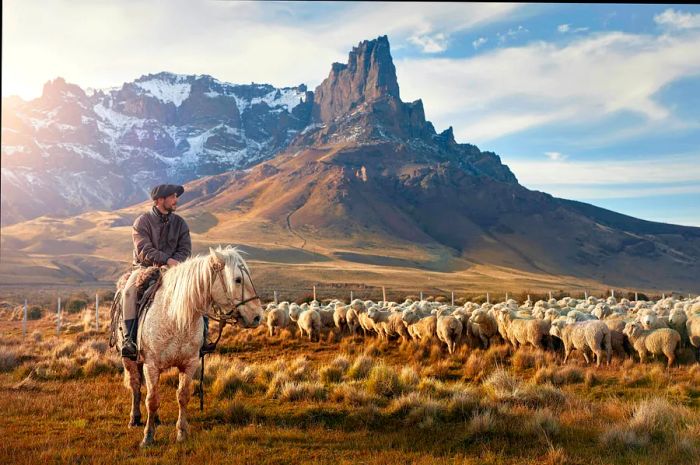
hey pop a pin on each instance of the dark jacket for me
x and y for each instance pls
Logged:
(158, 237)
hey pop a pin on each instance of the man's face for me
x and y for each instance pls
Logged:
(168, 203)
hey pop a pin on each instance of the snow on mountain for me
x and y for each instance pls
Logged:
(166, 92)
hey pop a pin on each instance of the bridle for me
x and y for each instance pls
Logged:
(221, 315)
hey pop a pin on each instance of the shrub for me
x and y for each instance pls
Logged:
(35, 312)
(384, 381)
(76, 305)
(360, 367)
(294, 391)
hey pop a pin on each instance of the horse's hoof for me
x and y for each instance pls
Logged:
(182, 436)
(135, 423)
(147, 442)
(157, 420)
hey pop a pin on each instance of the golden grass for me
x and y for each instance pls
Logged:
(300, 402)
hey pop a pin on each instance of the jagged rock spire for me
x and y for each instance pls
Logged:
(369, 75)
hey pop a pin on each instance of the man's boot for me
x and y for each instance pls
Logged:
(129, 349)
(207, 347)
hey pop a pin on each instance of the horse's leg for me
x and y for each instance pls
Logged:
(151, 374)
(134, 379)
(184, 391)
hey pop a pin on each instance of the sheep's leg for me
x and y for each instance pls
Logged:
(671, 359)
(567, 352)
(184, 391)
(152, 376)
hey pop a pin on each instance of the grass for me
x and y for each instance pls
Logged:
(285, 400)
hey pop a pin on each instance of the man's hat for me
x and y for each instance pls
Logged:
(166, 190)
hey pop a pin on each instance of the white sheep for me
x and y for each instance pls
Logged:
(278, 317)
(310, 323)
(654, 341)
(418, 327)
(483, 326)
(693, 328)
(449, 331)
(591, 336)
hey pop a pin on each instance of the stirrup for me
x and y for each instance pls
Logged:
(129, 350)
(207, 348)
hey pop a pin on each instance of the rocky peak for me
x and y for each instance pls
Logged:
(369, 75)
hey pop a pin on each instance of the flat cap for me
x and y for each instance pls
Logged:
(166, 190)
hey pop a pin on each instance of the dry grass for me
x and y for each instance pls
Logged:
(290, 401)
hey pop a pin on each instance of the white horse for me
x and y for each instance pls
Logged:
(217, 285)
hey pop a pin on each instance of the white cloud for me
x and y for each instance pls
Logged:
(604, 173)
(276, 42)
(511, 89)
(564, 28)
(479, 42)
(511, 34)
(677, 19)
(555, 156)
(435, 44)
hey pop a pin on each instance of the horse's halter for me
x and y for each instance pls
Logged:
(218, 269)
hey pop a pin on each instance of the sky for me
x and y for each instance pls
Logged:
(593, 102)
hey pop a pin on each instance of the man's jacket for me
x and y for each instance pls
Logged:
(158, 237)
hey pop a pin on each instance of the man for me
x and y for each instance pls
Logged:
(161, 238)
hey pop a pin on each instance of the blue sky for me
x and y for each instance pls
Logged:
(594, 102)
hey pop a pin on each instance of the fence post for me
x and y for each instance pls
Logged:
(613, 293)
(421, 295)
(635, 296)
(24, 320)
(488, 299)
(97, 311)
(275, 294)
(58, 317)
(550, 295)
(585, 294)
(663, 295)
(314, 292)
(506, 297)
(453, 298)
(351, 299)
(384, 294)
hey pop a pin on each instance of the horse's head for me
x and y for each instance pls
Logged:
(232, 288)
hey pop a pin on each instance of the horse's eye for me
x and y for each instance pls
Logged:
(238, 280)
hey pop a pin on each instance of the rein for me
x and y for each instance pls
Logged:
(223, 317)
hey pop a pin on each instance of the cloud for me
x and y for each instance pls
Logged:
(564, 28)
(479, 42)
(643, 174)
(275, 42)
(677, 19)
(511, 34)
(435, 44)
(506, 90)
(555, 156)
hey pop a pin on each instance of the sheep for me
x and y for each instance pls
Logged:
(618, 340)
(278, 317)
(340, 317)
(419, 328)
(521, 331)
(310, 323)
(676, 320)
(449, 331)
(483, 327)
(693, 328)
(586, 336)
(576, 316)
(393, 326)
(650, 320)
(655, 341)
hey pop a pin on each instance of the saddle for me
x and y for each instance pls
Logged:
(147, 283)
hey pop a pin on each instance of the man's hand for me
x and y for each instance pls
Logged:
(172, 262)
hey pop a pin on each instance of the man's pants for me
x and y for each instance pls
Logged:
(129, 296)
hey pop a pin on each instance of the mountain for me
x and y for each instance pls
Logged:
(72, 150)
(359, 186)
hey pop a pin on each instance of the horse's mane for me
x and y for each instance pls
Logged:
(187, 286)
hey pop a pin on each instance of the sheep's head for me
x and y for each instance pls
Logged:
(294, 312)
(632, 329)
(677, 317)
(557, 327)
(648, 320)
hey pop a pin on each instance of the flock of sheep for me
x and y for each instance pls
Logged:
(596, 327)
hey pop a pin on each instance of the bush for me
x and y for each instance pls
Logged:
(76, 306)
(35, 313)
(384, 381)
